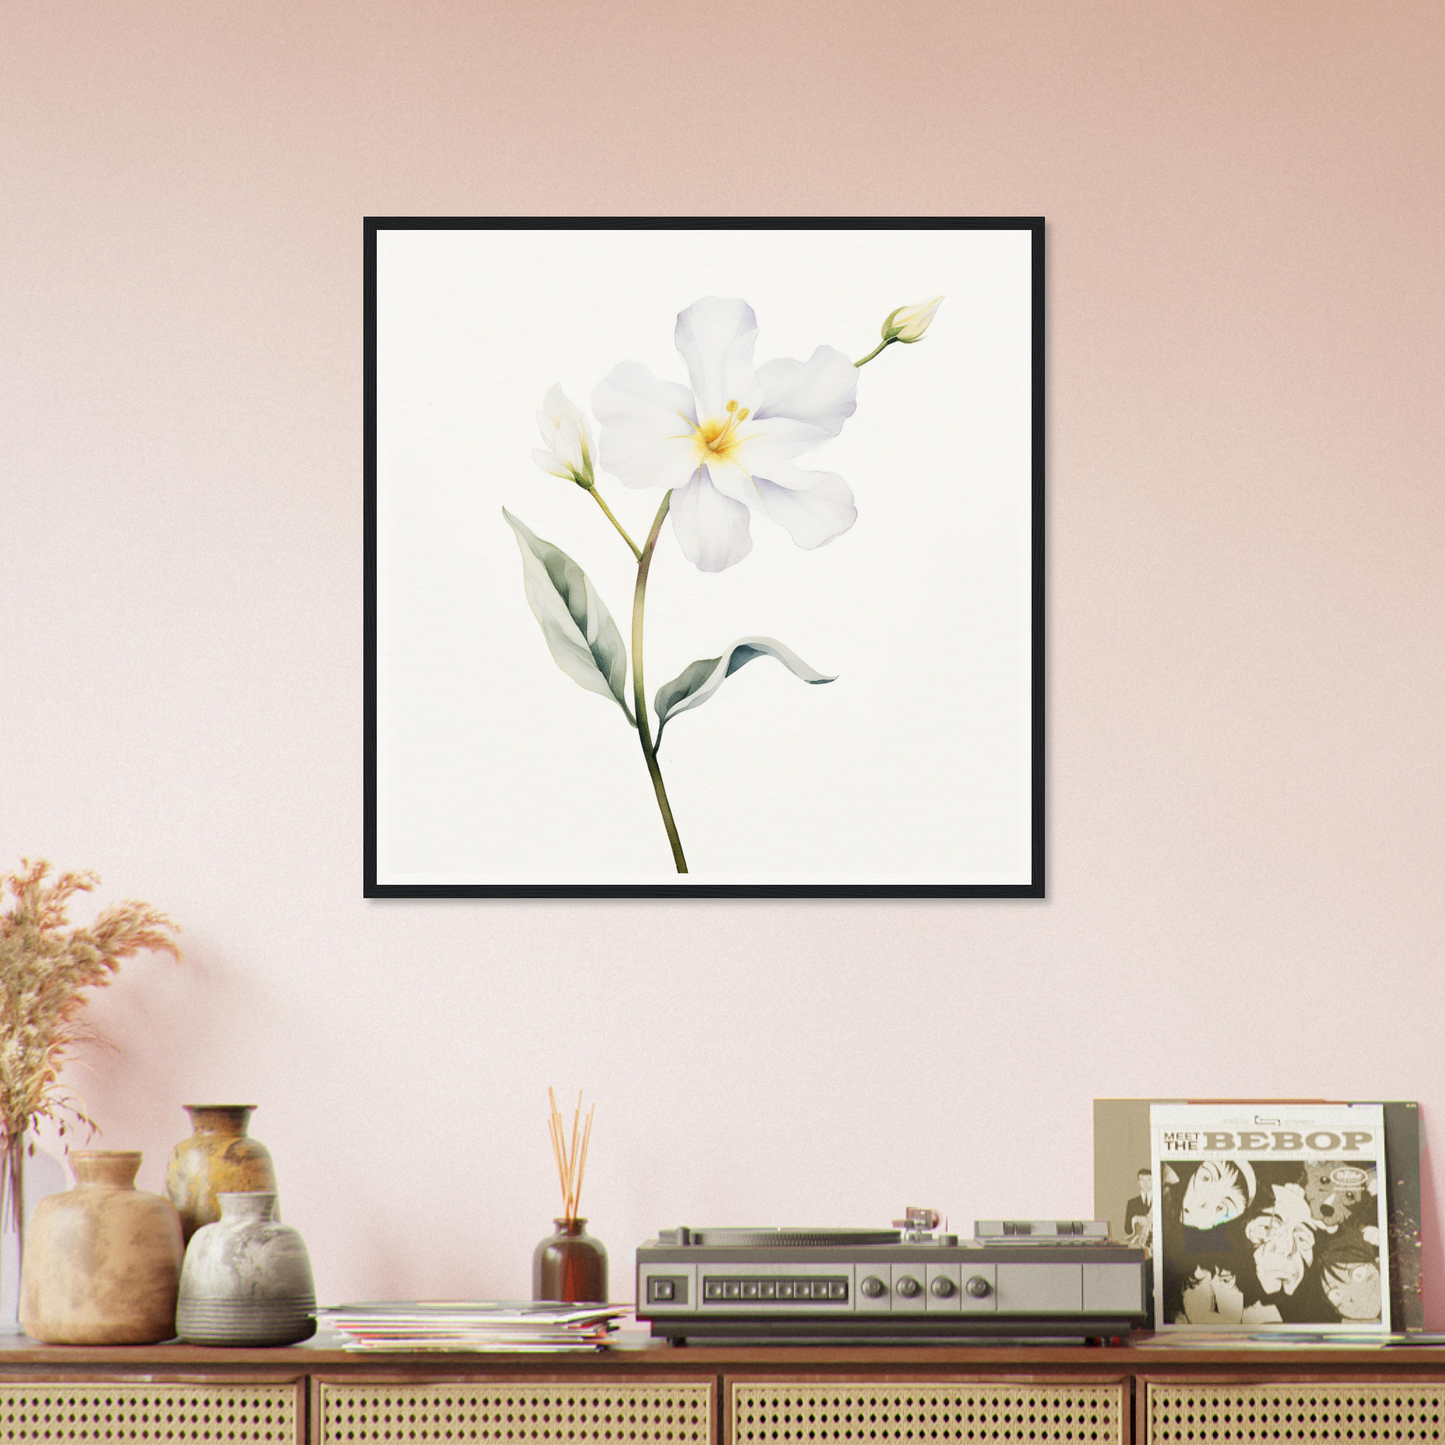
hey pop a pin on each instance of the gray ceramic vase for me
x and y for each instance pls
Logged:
(246, 1279)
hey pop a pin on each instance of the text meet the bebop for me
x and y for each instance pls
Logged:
(1260, 1141)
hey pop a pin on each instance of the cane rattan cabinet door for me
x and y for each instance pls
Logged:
(812, 1413)
(477, 1412)
(89, 1413)
(1318, 1413)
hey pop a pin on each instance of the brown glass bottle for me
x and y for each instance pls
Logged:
(570, 1266)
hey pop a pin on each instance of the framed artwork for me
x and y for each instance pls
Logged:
(704, 557)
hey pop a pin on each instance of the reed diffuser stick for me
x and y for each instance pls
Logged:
(570, 1154)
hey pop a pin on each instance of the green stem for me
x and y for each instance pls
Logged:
(639, 693)
(887, 341)
(597, 497)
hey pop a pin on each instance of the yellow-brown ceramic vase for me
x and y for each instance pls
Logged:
(219, 1158)
(102, 1262)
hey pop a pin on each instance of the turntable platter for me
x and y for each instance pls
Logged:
(765, 1238)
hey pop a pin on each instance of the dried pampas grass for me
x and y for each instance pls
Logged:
(46, 971)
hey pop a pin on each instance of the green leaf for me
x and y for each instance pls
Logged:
(699, 680)
(581, 635)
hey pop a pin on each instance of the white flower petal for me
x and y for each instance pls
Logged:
(732, 481)
(647, 427)
(766, 451)
(564, 429)
(711, 529)
(716, 340)
(549, 464)
(814, 516)
(766, 448)
(822, 390)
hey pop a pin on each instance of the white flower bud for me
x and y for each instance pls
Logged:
(909, 323)
(569, 442)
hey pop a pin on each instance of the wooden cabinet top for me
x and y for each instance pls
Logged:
(636, 1352)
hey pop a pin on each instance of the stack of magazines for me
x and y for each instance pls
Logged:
(511, 1326)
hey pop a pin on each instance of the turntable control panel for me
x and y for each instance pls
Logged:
(767, 1289)
(1058, 1277)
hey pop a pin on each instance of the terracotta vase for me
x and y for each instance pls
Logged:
(570, 1265)
(247, 1279)
(102, 1262)
(220, 1157)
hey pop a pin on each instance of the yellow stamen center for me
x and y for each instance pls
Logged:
(717, 440)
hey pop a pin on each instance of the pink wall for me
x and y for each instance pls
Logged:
(1245, 598)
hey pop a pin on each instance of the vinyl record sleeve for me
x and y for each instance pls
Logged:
(1270, 1218)
(1123, 1185)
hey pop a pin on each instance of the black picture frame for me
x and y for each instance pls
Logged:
(384, 236)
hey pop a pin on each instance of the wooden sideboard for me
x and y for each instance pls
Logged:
(646, 1393)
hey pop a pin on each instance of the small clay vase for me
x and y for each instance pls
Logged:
(220, 1157)
(247, 1278)
(570, 1265)
(102, 1262)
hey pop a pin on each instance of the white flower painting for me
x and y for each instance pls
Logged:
(723, 449)
(856, 497)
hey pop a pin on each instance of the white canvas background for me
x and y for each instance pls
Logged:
(912, 767)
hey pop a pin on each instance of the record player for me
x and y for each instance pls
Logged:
(1015, 1279)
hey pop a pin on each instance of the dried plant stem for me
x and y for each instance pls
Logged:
(582, 1161)
(570, 1154)
(46, 972)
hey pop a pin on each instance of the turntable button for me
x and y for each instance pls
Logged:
(750, 1289)
(837, 1289)
(767, 1289)
(908, 1287)
(942, 1286)
(978, 1287)
(785, 1289)
(712, 1289)
(732, 1289)
(873, 1287)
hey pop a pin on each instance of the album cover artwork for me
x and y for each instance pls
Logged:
(1124, 1188)
(1269, 1218)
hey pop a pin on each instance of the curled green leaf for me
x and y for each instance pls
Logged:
(699, 680)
